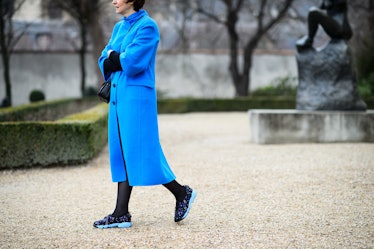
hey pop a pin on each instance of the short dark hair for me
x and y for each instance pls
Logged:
(138, 4)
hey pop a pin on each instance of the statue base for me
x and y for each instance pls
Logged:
(294, 126)
(327, 80)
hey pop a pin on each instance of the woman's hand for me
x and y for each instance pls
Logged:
(114, 57)
(109, 52)
(112, 63)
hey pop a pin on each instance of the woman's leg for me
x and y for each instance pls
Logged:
(184, 195)
(123, 198)
(121, 217)
(176, 189)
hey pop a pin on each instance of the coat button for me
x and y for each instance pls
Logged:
(114, 102)
(114, 85)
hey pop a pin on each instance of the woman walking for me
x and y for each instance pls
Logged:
(136, 156)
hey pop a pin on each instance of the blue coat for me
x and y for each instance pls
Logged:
(134, 147)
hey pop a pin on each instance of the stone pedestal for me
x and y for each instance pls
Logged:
(294, 126)
(326, 79)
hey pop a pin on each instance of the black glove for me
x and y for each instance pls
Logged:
(109, 66)
(114, 57)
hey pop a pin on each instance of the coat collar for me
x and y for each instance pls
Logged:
(135, 16)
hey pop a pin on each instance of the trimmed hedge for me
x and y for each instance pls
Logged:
(369, 102)
(224, 105)
(36, 95)
(46, 110)
(227, 105)
(70, 140)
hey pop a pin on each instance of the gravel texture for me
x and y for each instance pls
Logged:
(249, 195)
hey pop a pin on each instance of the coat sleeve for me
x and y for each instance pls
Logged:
(138, 54)
(103, 56)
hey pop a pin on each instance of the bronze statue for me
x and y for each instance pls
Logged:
(327, 78)
(332, 16)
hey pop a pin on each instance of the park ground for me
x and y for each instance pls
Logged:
(249, 195)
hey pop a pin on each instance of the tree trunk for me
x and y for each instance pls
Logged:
(6, 73)
(245, 77)
(82, 57)
(232, 18)
(5, 59)
(97, 36)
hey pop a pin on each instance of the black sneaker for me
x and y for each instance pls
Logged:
(182, 208)
(111, 222)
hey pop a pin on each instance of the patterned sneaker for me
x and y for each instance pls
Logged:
(182, 208)
(111, 222)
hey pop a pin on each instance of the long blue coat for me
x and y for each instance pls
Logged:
(134, 146)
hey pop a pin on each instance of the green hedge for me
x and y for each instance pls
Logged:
(36, 95)
(227, 105)
(221, 105)
(369, 102)
(70, 140)
(46, 110)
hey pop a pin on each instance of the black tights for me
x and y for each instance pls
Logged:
(176, 189)
(123, 198)
(124, 193)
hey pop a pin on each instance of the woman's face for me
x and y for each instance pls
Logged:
(123, 8)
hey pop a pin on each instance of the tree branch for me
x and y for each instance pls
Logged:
(263, 29)
(211, 16)
(18, 6)
(15, 38)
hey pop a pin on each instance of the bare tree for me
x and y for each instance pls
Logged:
(266, 15)
(86, 13)
(178, 14)
(186, 14)
(8, 39)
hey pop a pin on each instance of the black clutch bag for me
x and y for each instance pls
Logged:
(104, 92)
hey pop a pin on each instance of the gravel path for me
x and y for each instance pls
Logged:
(249, 195)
